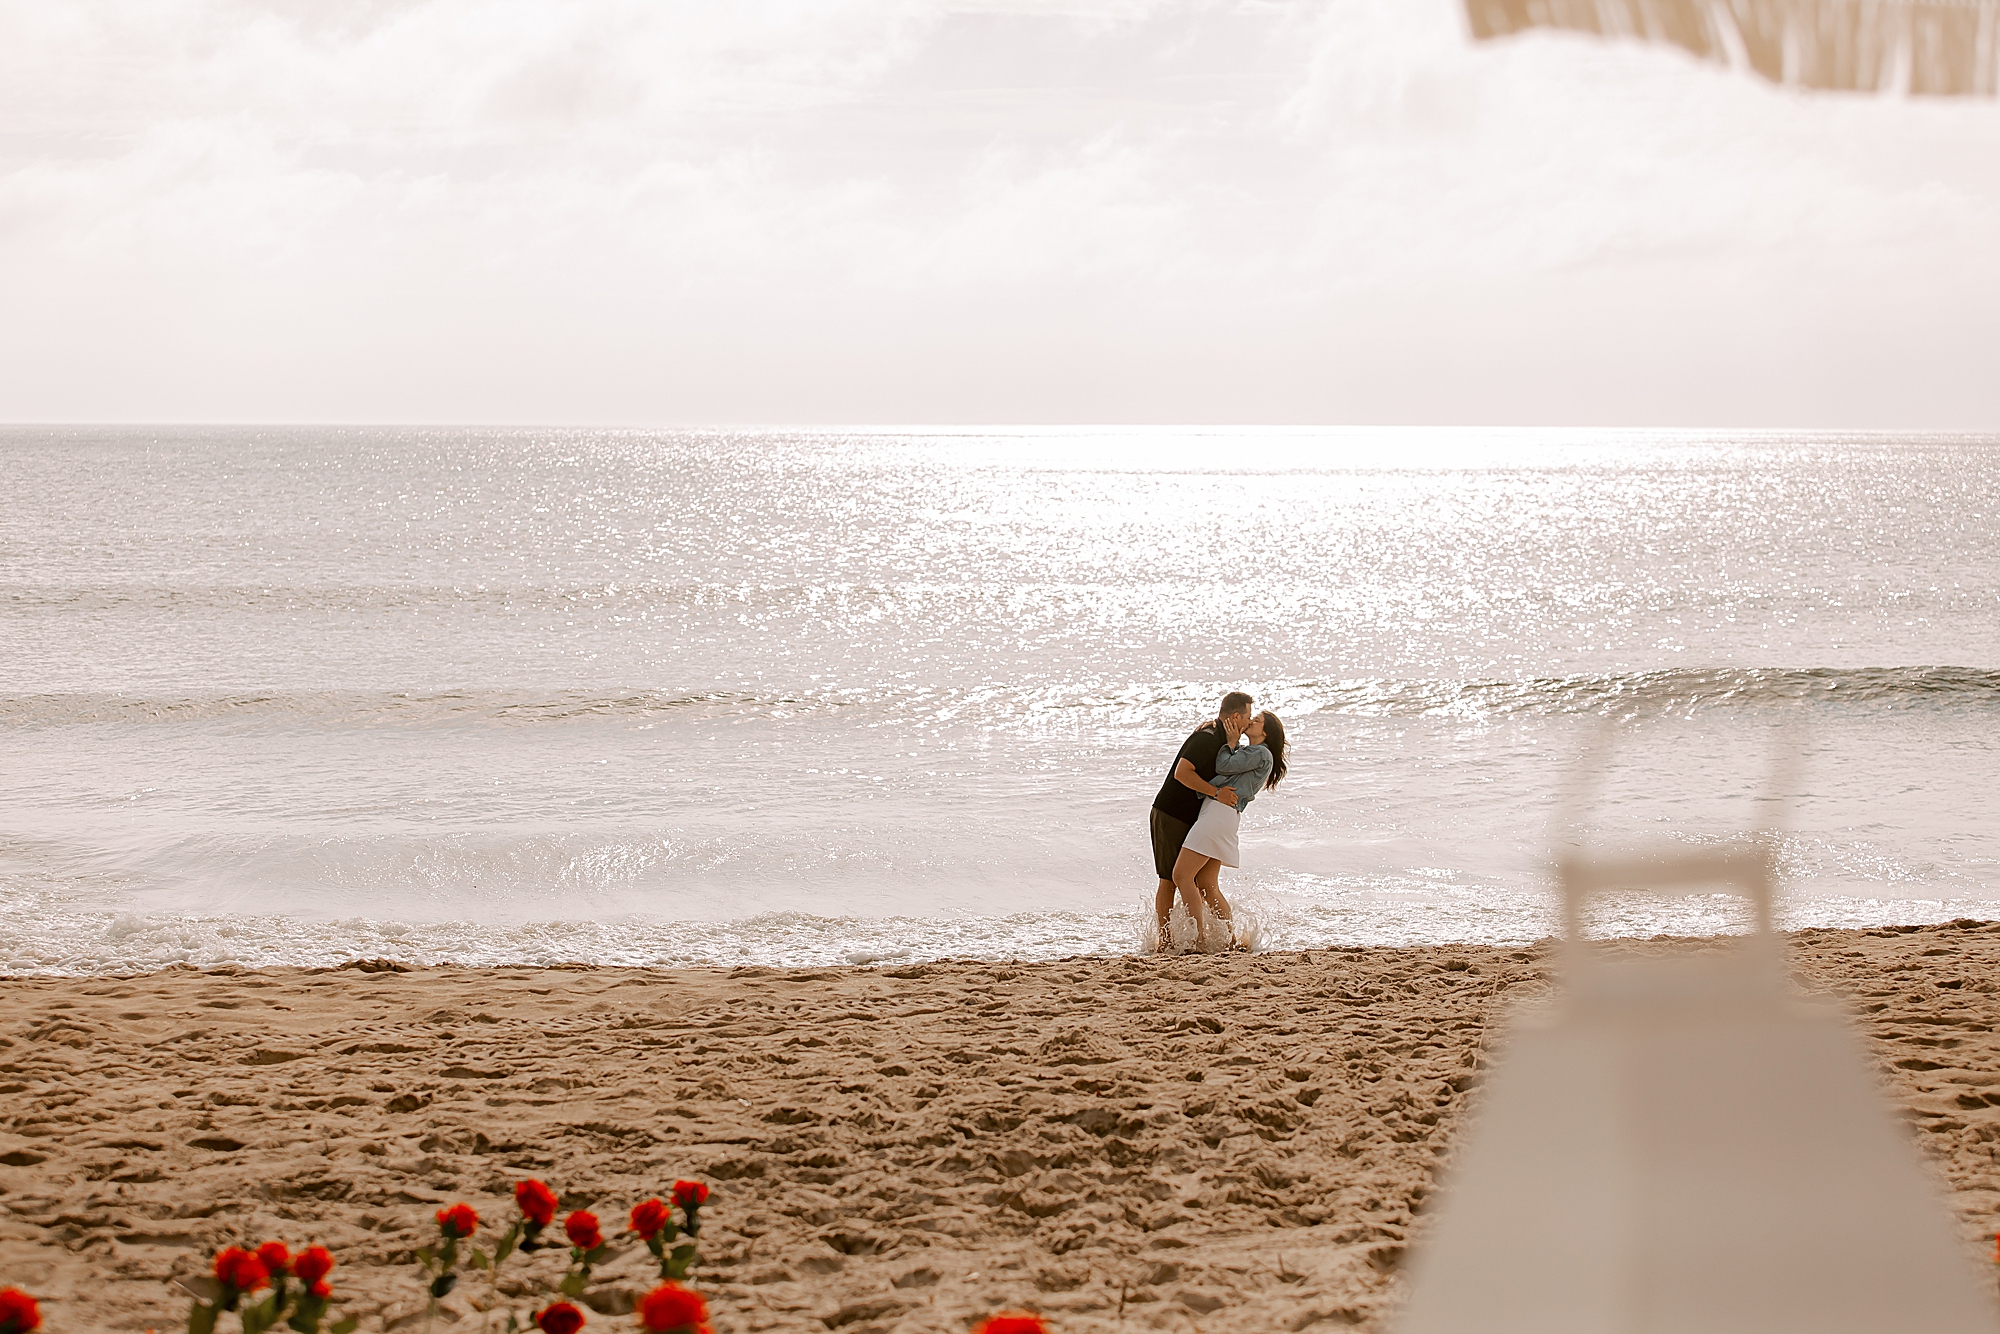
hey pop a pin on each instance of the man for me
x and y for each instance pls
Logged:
(1179, 803)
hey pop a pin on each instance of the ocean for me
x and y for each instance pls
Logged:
(301, 695)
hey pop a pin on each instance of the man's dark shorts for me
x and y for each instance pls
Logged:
(1168, 835)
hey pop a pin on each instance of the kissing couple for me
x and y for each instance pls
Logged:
(1221, 767)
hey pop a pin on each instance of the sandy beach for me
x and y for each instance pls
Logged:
(1230, 1143)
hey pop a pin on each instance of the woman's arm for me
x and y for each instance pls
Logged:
(1242, 760)
(1262, 772)
(1184, 773)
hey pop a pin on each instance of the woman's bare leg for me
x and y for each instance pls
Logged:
(1188, 867)
(1209, 882)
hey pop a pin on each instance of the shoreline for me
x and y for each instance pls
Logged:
(1242, 1141)
(106, 944)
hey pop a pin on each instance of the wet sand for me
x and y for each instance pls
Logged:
(1229, 1143)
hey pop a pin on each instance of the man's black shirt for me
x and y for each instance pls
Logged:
(1200, 749)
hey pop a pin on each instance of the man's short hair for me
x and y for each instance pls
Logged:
(1234, 702)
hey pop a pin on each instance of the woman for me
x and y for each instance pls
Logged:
(1258, 763)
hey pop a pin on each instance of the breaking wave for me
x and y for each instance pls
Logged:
(1679, 691)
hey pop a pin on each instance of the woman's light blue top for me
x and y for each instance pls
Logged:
(1244, 769)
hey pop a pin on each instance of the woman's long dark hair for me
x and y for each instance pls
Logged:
(1274, 737)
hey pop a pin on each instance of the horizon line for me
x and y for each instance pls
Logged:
(983, 427)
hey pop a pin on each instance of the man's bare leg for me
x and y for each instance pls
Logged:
(1163, 909)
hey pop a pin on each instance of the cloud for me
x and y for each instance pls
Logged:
(877, 210)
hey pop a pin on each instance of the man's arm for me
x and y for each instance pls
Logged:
(1184, 773)
(1201, 747)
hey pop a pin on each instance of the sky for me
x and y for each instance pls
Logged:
(997, 211)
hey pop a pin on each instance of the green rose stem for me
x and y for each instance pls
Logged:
(587, 1248)
(457, 1222)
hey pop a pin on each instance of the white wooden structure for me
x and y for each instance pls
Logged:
(1677, 1146)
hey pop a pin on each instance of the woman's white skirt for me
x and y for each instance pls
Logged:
(1214, 832)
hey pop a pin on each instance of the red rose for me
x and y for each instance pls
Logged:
(241, 1270)
(582, 1229)
(648, 1217)
(18, 1312)
(313, 1264)
(1011, 1322)
(458, 1221)
(277, 1260)
(561, 1318)
(536, 1201)
(671, 1307)
(690, 1194)
(320, 1288)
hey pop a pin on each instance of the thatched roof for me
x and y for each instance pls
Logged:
(1940, 47)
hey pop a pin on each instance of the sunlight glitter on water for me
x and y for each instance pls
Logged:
(683, 685)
